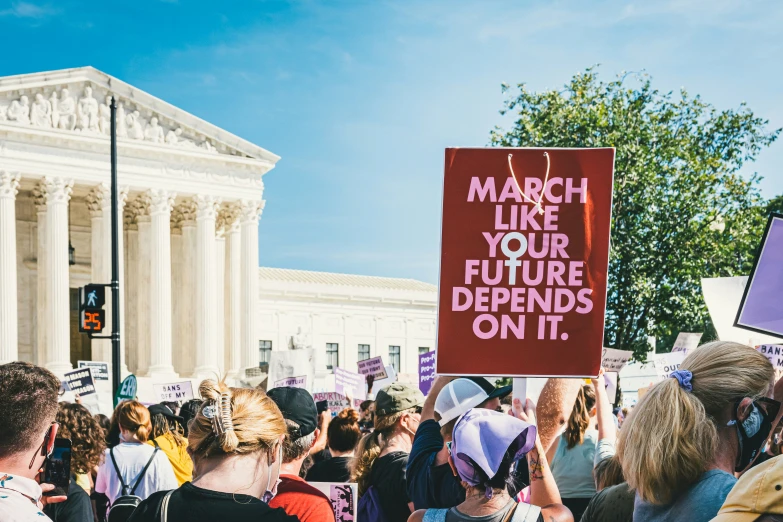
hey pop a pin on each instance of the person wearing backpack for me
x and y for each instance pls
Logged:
(236, 442)
(132, 470)
(382, 456)
(485, 445)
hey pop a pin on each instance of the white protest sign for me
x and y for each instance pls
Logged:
(80, 381)
(292, 382)
(773, 352)
(343, 497)
(668, 363)
(173, 391)
(378, 385)
(350, 384)
(614, 360)
(100, 369)
(610, 381)
(373, 366)
(686, 342)
(284, 364)
(723, 296)
(336, 401)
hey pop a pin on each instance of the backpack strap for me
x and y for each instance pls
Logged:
(164, 506)
(435, 515)
(119, 475)
(143, 471)
(155, 443)
(523, 513)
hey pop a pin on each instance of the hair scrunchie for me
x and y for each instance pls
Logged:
(684, 378)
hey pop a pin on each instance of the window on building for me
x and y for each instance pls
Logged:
(332, 356)
(423, 349)
(394, 357)
(364, 352)
(264, 350)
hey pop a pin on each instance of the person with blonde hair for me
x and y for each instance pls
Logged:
(382, 456)
(690, 433)
(133, 467)
(236, 443)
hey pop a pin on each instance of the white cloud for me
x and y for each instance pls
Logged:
(29, 10)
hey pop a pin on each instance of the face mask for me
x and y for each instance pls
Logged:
(752, 434)
(269, 494)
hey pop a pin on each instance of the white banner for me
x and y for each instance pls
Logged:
(723, 296)
(173, 391)
(686, 341)
(668, 363)
(615, 360)
(284, 364)
(344, 498)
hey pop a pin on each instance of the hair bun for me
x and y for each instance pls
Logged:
(349, 416)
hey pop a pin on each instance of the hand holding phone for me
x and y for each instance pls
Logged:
(57, 469)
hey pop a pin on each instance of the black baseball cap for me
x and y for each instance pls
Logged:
(164, 410)
(297, 405)
(492, 391)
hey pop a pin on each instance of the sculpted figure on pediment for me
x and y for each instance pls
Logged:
(122, 122)
(153, 132)
(172, 136)
(2, 113)
(87, 111)
(41, 113)
(135, 130)
(19, 110)
(66, 107)
(104, 117)
(208, 146)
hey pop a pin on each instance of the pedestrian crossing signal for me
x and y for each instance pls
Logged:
(92, 317)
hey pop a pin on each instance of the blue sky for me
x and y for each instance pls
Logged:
(361, 98)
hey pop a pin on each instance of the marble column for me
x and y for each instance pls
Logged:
(250, 212)
(143, 286)
(96, 198)
(9, 338)
(206, 308)
(58, 306)
(233, 284)
(161, 202)
(132, 290)
(39, 196)
(185, 216)
(220, 293)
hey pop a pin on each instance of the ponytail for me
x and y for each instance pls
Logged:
(370, 447)
(579, 420)
(671, 437)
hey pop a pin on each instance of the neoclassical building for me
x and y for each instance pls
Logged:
(194, 300)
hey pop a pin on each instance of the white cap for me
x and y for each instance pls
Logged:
(457, 397)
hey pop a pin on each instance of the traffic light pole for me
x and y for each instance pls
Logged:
(115, 261)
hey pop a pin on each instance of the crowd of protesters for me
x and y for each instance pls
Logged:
(702, 445)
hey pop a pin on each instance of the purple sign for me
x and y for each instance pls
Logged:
(761, 309)
(350, 384)
(426, 371)
(374, 367)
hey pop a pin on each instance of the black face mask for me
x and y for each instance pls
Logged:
(752, 433)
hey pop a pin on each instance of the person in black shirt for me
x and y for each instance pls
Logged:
(235, 441)
(77, 508)
(341, 437)
(383, 454)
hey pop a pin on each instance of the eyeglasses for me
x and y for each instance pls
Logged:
(47, 446)
(418, 409)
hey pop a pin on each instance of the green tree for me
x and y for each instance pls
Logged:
(774, 205)
(681, 209)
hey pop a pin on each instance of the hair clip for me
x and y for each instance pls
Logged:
(209, 411)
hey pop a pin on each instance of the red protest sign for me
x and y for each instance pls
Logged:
(524, 261)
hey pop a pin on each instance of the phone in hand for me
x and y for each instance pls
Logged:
(57, 470)
(321, 406)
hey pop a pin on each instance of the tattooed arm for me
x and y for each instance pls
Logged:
(543, 490)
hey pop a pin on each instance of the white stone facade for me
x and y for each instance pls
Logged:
(194, 302)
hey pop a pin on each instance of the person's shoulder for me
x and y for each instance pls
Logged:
(717, 479)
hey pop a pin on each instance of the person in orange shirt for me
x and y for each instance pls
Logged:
(167, 434)
(295, 495)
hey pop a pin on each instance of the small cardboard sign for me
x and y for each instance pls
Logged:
(292, 382)
(80, 381)
(615, 360)
(336, 401)
(100, 369)
(426, 371)
(343, 497)
(686, 341)
(173, 391)
(773, 352)
(761, 308)
(373, 366)
(350, 384)
(667, 364)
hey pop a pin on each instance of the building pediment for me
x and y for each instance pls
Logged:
(75, 102)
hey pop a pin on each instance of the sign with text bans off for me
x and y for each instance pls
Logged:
(174, 391)
(524, 260)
